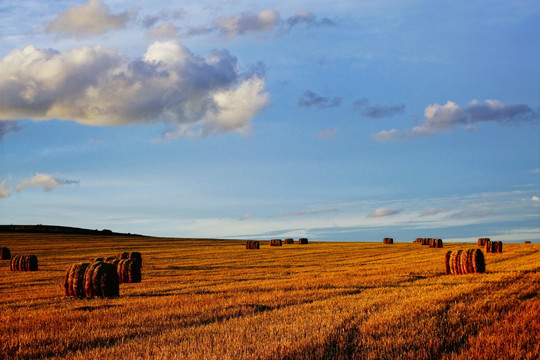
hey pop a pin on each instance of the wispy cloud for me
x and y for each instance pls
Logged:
(46, 181)
(327, 134)
(7, 127)
(92, 18)
(380, 212)
(99, 86)
(377, 111)
(432, 211)
(440, 118)
(309, 99)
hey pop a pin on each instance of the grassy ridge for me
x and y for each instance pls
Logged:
(212, 299)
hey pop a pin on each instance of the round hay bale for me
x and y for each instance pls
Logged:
(253, 245)
(24, 263)
(288, 241)
(101, 280)
(130, 255)
(499, 245)
(388, 241)
(447, 262)
(129, 271)
(276, 242)
(74, 280)
(478, 262)
(123, 255)
(97, 259)
(5, 254)
(303, 241)
(526, 242)
(455, 262)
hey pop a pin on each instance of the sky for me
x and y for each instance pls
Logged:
(334, 120)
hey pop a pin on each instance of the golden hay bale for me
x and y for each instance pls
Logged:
(250, 244)
(499, 246)
(24, 263)
(447, 262)
(276, 242)
(288, 241)
(74, 280)
(129, 271)
(464, 262)
(5, 254)
(436, 243)
(303, 241)
(101, 280)
(482, 241)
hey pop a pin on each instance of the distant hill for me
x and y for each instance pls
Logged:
(55, 229)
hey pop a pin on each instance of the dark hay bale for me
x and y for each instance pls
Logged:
(130, 255)
(97, 259)
(288, 241)
(388, 241)
(494, 247)
(101, 280)
(24, 263)
(129, 271)
(74, 280)
(110, 258)
(276, 242)
(250, 244)
(526, 242)
(436, 243)
(499, 246)
(303, 241)
(482, 241)
(5, 254)
(464, 262)
(425, 241)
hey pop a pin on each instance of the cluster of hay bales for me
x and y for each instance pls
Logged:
(428, 241)
(464, 262)
(288, 241)
(250, 244)
(526, 242)
(24, 263)
(5, 254)
(276, 242)
(482, 241)
(303, 241)
(97, 279)
(129, 270)
(494, 246)
(388, 241)
(134, 255)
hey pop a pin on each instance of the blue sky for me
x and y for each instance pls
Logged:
(335, 120)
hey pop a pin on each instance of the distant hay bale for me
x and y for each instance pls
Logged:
(526, 242)
(494, 247)
(74, 280)
(464, 262)
(499, 246)
(5, 254)
(436, 243)
(388, 241)
(250, 244)
(24, 263)
(129, 271)
(482, 241)
(288, 241)
(130, 255)
(101, 280)
(276, 242)
(425, 241)
(303, 241)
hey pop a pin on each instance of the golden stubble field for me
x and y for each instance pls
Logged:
(213, 299)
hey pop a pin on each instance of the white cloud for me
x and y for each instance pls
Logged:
(5, 189)
(46, 181)
(383, 212)
(99, 86)
(93, 18)
(438, 118)
(535, 198)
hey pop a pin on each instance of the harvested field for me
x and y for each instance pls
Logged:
(212, 299)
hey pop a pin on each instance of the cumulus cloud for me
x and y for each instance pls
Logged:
(535, 198)
(8, 126)
(380, 212)
(92, 18)
(246, 23)
(101, 87)
(5, 189)
(439, 118)
(309, 99)
(377, 111)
